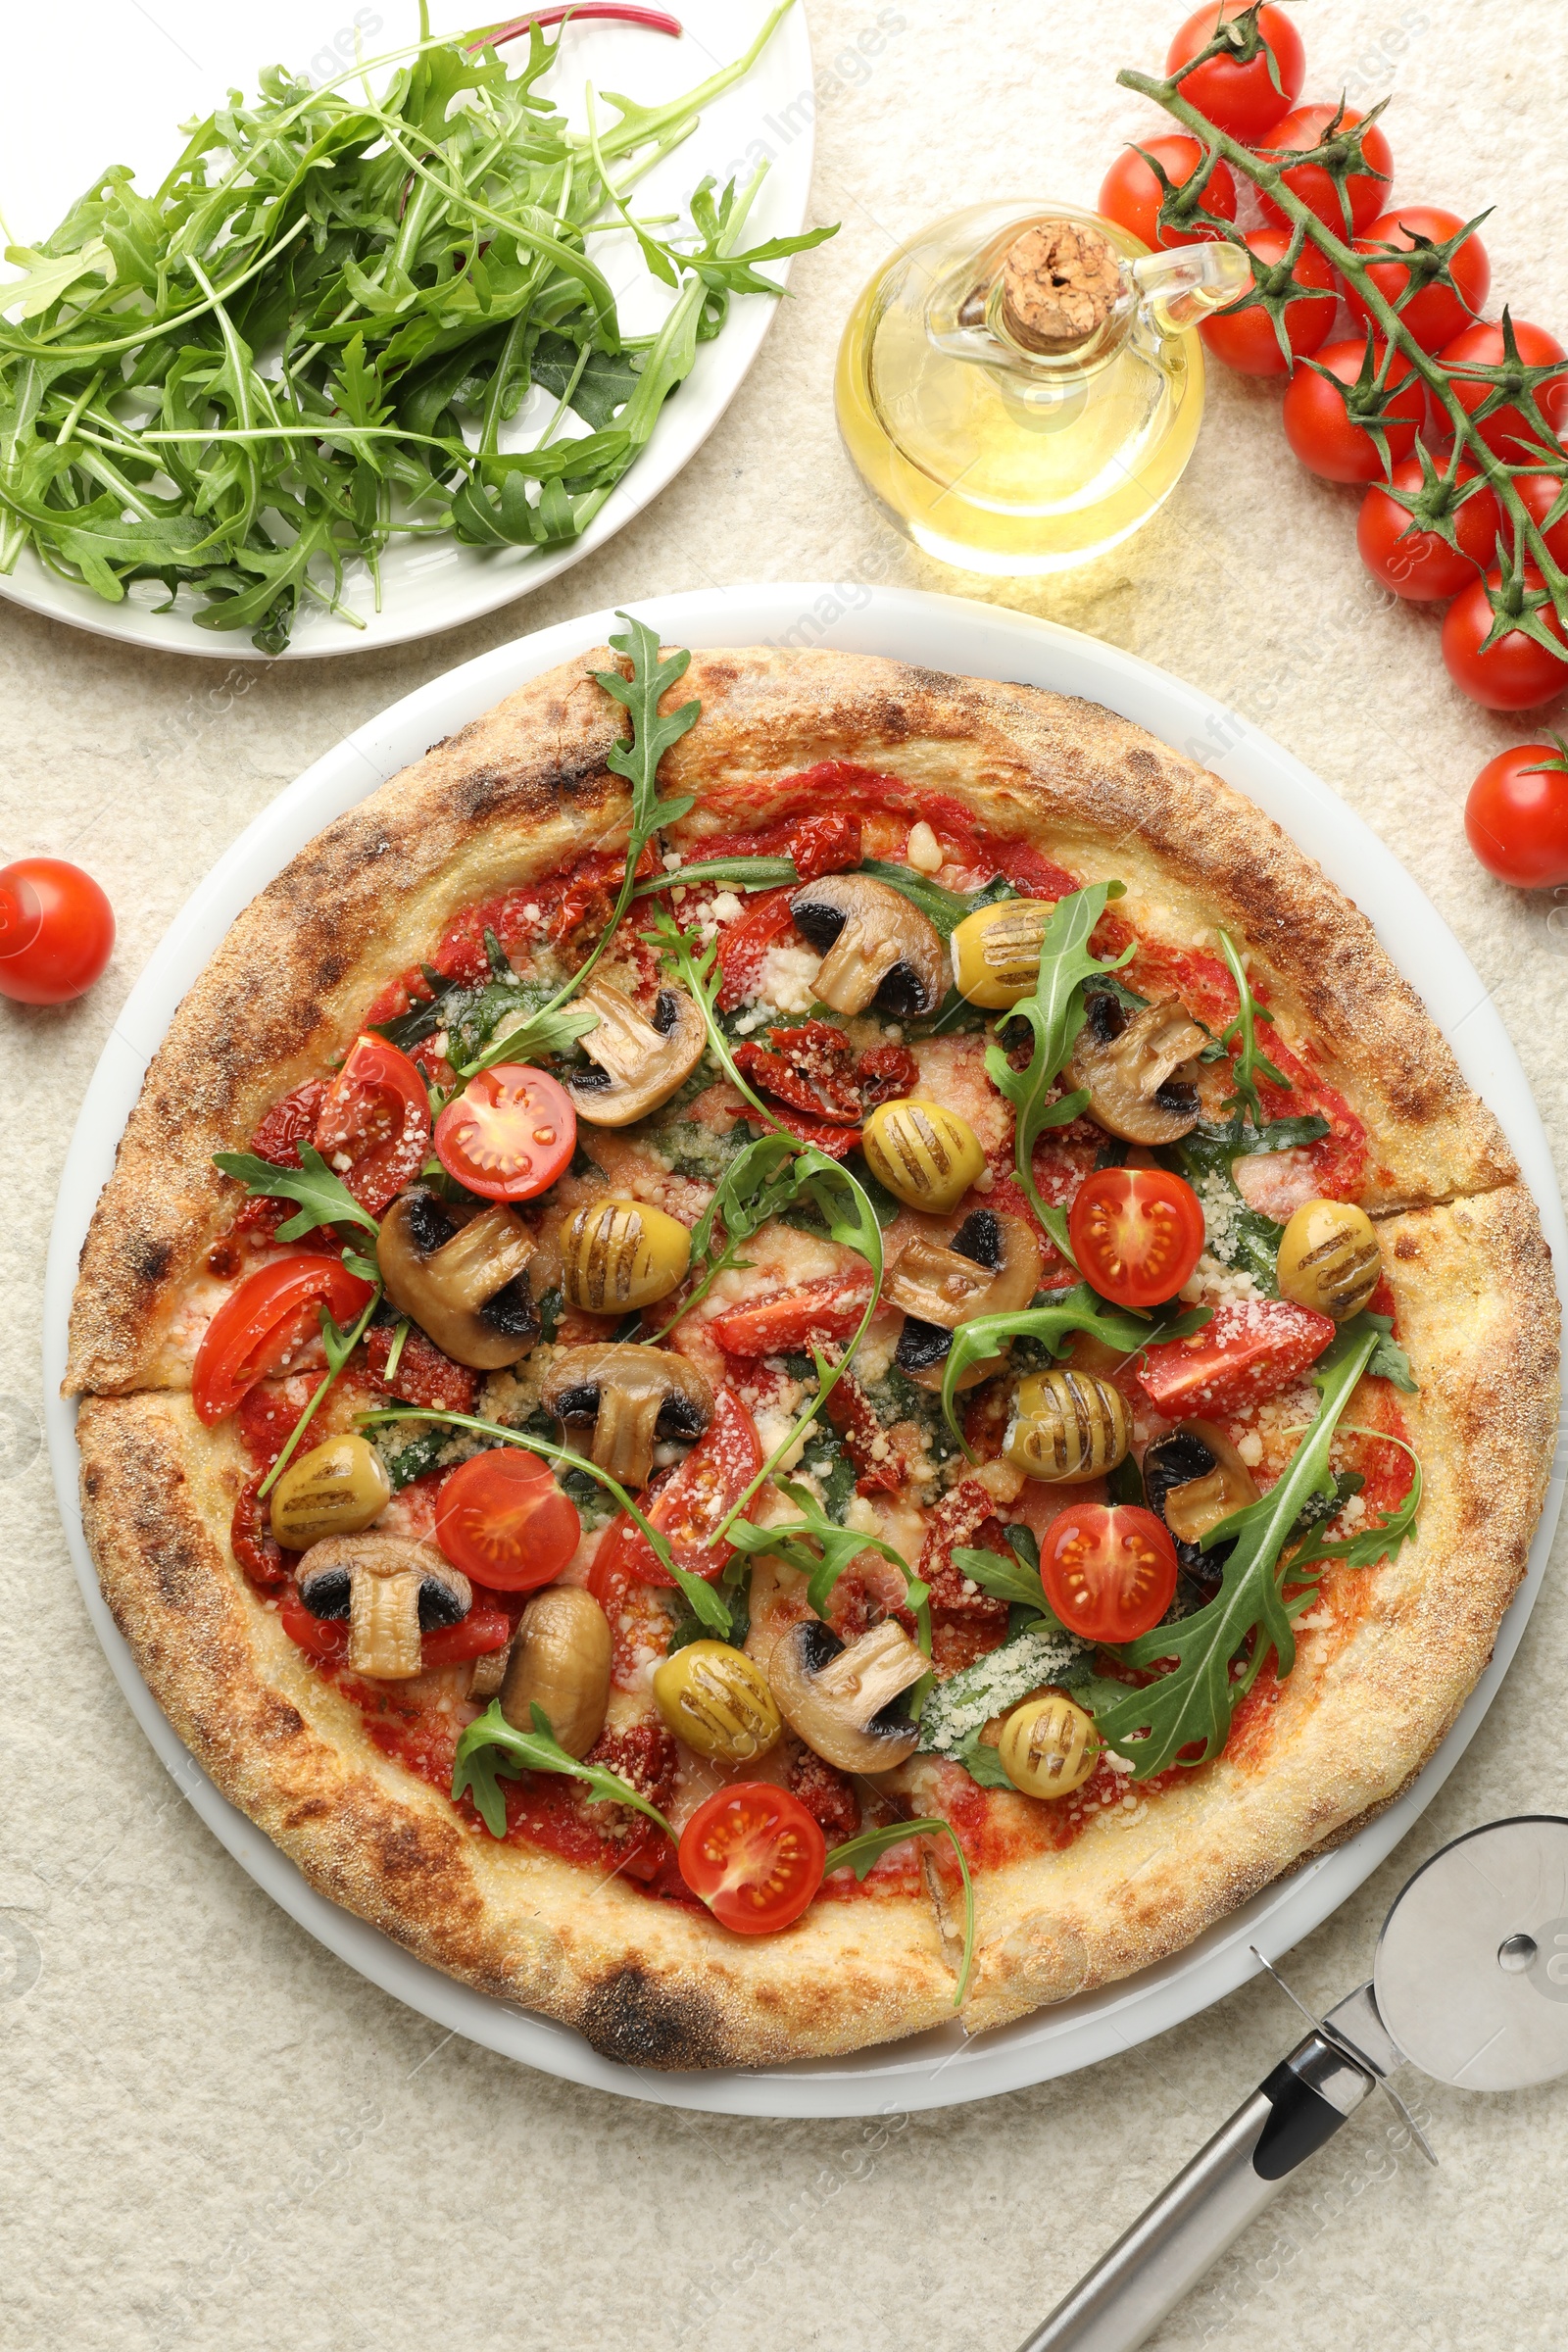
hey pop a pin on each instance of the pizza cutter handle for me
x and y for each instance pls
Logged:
(1122, 2300)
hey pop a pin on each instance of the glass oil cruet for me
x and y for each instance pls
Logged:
(1021, 385)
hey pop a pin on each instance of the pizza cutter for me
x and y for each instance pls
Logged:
(1469, 1985)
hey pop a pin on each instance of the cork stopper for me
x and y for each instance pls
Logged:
(1060, 285)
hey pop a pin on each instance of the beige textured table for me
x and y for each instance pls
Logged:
(217, 2134)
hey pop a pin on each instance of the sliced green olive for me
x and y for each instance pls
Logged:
(1048, 1746)
(336, 1489)
(1067, 1425)
(713, 1698)
(1330, 1258)
(926, 1156)
(619, 1255)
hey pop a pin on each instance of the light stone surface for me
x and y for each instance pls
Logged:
(217, 2134)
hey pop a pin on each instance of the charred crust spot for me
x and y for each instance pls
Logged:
(151, 1260)
(1141, 764)
(639, 2022)
(1406, 1247)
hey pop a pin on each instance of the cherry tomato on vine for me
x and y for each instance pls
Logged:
(1108, 1569)
(1131, 195)
(755, 1856)
(1245, 340)
(376, 1116)
(1508, 430)
(1305, 128)
(1517, 672)
(1324, 435)
(510, 1134)
(503, 1520)
(1438, 313)
(259, 1326)
(1242, 99)
(1422, 567)
(1538, 494)
(1136, 1233)
(1517, 816)
(56, 931)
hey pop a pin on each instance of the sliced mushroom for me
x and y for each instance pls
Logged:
(390, 1590)
(841, 1700)
(633, 1396)
(1128, 1066)
(560, 1663)
(640, 1061)
(460, 1282)
(991, 1267)
(876, 946)
(1195, 1478)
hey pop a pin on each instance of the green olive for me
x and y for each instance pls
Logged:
(1329, 1259)
(996, 951)
(717, 1701)
(619, 1255)
(1067, 1425)
(927, 1155)
(1048, 1746)
(335, 1490)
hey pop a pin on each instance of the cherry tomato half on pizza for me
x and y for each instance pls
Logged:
(503, 1520)
(754, 1856)
(373, 1126)
(1108, 1569)
(510, 1133)
(1136, 1233)
(259, 1327)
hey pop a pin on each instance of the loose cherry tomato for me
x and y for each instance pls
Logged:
(699, 1498)
(1517, 816)
(376, 1115)
(1243, 99)
(504, 1521)
(755, 1856)
(1436, 313)
(1305, 128)
(1243, 1355)
(1518, 672)
(1244, 340)
(1109, 1570)
(1131, 195)
(830, 1310)
(317, 1637)
(1136, 1233)
(56, 931)
(1321, 430)
(259, 1325)
(1508, 430)
(1538, 494)
(510, 1134)
(481, 1630)
(1419, 564)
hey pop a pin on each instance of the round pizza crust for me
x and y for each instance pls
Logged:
(521, 791)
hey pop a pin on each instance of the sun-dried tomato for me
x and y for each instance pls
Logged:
(833, 1140)
(824, 845)
(253, 1543)
(827, 1796)
(424, 1375)
(884, 1071)
(967, 1518)
(879, 1463)
(288, 1124)
(645, 1754)
(744, 945)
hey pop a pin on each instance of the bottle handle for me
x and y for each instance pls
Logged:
(1183, 283)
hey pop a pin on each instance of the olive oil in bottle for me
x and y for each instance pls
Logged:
(1021, 385)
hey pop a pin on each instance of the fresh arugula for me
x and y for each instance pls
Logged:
(736, 873)
(763, 1178)
(1390, 1361)
(1010, 1580)
(859, 1853)
(1054, 1014)
(703, 1600)
(1237, 1235)
(325, 1199)
(1192, 1703)
(821, 1550)
(1379, 1540)
(1250, 1061)
(1052, 1327)
(828, 1461)
(491, 1747)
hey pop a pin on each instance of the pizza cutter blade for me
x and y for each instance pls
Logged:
(1470, 1984)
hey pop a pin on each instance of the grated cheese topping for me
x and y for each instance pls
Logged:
(969, 1698)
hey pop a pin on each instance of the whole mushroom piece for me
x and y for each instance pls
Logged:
(991, 1267)
(460, 1282)
(633, 1396)
(841, 1701)
(876, 946)
(638, 1063)
(390, 1590)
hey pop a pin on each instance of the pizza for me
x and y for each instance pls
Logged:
(787, 1346)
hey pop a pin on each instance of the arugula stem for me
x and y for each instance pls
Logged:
(309, 1415)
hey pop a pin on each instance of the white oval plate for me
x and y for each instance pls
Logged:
(130, 83)
(942, 2068)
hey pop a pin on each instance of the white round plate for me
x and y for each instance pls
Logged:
(942, 2068)
(133, 78)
